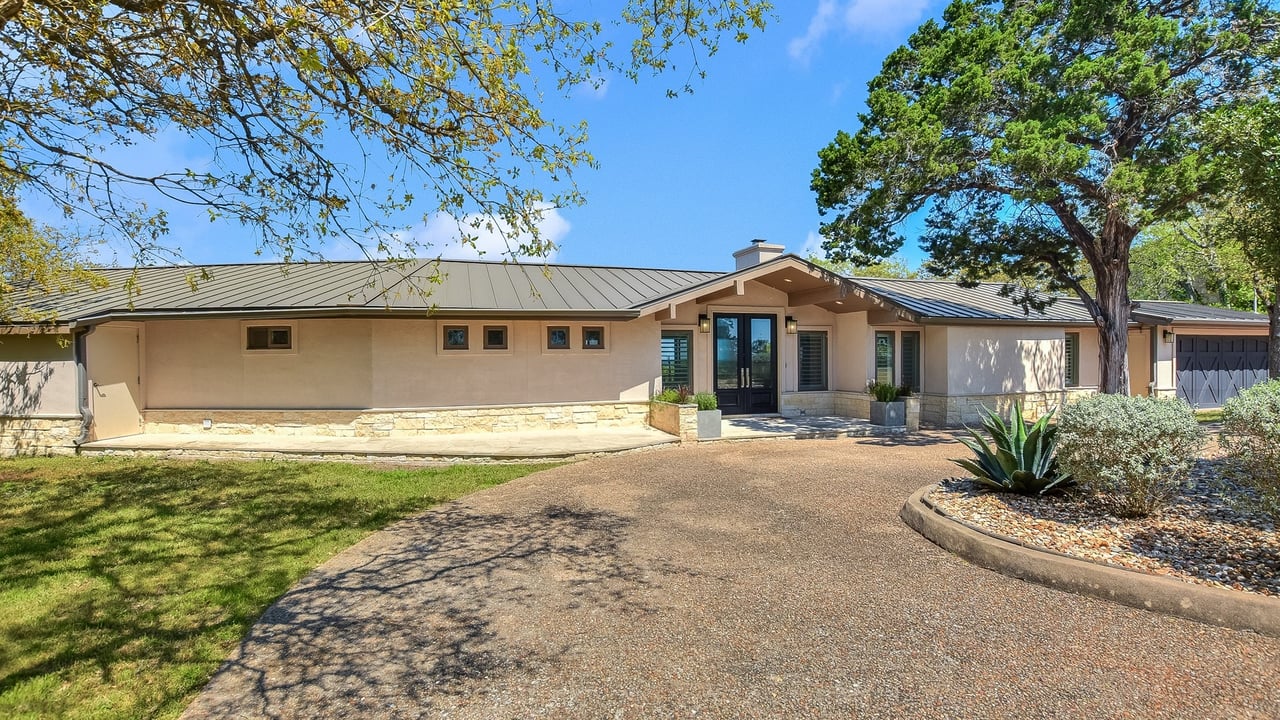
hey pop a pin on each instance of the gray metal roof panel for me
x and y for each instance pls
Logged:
(1169, 312)
(465, 285)
(944, 299)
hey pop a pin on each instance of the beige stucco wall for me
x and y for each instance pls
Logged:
(935, 356)
(393, 363)
(37, 376)
(852, 343)
(993, 360)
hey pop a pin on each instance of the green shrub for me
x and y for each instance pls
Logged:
(706, 401)
(1251, 436)
(1023, 458)
(1134, 453)
(883, 392)
(679, 395)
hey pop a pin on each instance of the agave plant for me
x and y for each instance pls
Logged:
(1022, 457)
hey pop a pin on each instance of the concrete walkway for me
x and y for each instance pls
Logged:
(716, 580)
(748, 427)
(503, 446)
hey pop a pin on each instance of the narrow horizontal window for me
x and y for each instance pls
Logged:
(495, 337)
(558, 337)
(455, 337)
(265, 337)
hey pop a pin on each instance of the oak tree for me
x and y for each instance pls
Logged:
(324, 117)
(1034, 133)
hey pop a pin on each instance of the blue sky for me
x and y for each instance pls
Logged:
(684, 182)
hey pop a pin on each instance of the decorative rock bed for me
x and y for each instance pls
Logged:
(1209, 535)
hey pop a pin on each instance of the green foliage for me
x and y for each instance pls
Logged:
(678, 395)
(706, 401)
(890, 268)
(1022, 458)
(1251, 436)
(883, 392)
(444, 101)
(1192, 261)
(1133, 453)
(124, 584)
(1034, 134)
(35, 262)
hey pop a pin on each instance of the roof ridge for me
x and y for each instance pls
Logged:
(406, 260)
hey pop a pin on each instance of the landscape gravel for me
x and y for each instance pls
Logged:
(761, 579)
(1212, 533)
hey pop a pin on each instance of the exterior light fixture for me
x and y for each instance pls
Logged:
(1167, 335)
(792, 326)
(704, 324)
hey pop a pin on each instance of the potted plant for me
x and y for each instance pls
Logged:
(886, 408)
(708, 416)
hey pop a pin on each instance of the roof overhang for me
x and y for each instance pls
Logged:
(836, 287)
(351, 312)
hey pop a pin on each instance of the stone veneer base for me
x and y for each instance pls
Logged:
(399, 423)
(38, 436)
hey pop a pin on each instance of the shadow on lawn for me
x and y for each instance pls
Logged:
(148, 569)
(426, 615)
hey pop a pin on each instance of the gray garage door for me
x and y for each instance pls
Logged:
(1212, 369)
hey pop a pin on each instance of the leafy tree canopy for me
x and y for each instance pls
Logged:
(1249, 135)
(890, 268)
(441, 99)
(1036, 133)
(1192, 261)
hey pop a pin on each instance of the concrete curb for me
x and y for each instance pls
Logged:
(1209, 605)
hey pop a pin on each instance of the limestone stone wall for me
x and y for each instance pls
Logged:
(956, 410)
(399, 423)
(675, 419)
(28, 436)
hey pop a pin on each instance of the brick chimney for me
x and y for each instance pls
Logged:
(757, 252)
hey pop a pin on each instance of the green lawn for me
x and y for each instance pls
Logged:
(124, 583)
(1209, 416)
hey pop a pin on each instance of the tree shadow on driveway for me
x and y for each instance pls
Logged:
(424, 609)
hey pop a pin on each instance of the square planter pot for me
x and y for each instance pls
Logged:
(889, 414)
(708, 424)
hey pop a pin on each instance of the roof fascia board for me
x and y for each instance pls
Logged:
(1153, 319)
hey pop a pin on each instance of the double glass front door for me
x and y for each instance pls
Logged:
(746, 363)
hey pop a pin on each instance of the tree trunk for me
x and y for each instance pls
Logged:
(1273, 342)
(1113, 327)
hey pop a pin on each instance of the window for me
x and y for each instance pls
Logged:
(911, 360)
(677, 350)
(813, 359)
(558, 337)
(455, 337)
(262, 337)
(593, 338)
(1071, 359)
(884, 358)
(495, 337)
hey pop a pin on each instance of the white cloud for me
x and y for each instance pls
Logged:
(441, 235)
(824, 18)
(812, 245)
(865, 18)
(593, 89)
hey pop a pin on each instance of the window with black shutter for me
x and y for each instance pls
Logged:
(813, 360)
(911, 360)
(677, 350)
(1071, 359)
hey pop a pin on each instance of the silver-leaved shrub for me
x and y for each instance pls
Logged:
(1133, 453)
(1251, 436)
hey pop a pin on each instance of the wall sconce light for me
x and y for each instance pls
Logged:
(704, 323)
(1167, 335)
(792, 326)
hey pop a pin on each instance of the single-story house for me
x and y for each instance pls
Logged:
(355, 349)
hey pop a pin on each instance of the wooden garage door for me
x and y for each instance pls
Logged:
(1212, 369)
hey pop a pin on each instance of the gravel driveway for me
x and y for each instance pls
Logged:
(729, 580)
